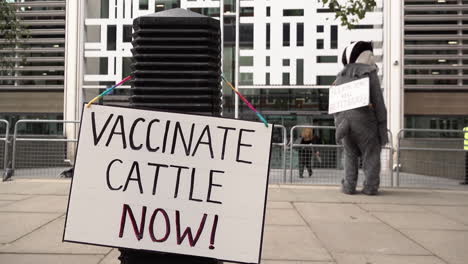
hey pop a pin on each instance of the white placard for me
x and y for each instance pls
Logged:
(349, 96)
(166, 182)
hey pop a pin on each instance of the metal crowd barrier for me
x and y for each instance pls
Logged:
(278, 155)
(426, 158)
(4, 151)
(430, 158)
(327, 161)
(42, 155)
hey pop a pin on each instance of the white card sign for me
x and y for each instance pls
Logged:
(349, 96)
(167, 182)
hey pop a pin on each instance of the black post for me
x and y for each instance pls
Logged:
(465, 182)
(177, 63)
(177, 68)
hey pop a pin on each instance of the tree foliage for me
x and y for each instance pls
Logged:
(349, 12)
(12, 34)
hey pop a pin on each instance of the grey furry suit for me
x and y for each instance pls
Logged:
(362, 131)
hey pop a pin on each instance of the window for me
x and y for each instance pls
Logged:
(268, 11)
(300, 34)
(286, 34)
(300, 71)
(327, 59)
(363, 26)
(334, 37)
(286, 78)
(104, 8)
(159, 7)
(143, 5)
(207, 11)
(319, 29)
(246, 78)
(247, 11)
(286, 62)
(95, 65)
(325, 79)
(246, 37)
(246, 61)
(126, 69)
(93, 33)
(267, 78)
(268, 36)
(111, 37)
(324, 10)
(293, 12)
(267, 62)
(95, 10)
(319, 43)
(127, 33)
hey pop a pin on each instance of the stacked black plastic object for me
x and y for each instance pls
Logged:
(177, 68)
(177, 63)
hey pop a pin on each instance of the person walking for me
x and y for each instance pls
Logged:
(305, 153)
(363, 130)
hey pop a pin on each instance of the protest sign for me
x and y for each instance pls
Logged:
(167, 182)
(348, 96)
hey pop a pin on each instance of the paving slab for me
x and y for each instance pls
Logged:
(303, 193)
(292, 243)
(48, 239)
(111, 257)
(276, 194)
(384, 259)
(283, 217)
(362, 238)
(429, 221)
(4, 203)
(39, 203)
(457, 213)
(39, 187)
(393, 208)
(451, 246)
(318, 195)
(407, 197)
(13, 197)
(334, 213)
(279, 205)
(16, 225)
(293, 262)
(454, 198)
(49, 258)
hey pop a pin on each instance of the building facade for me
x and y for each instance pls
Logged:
(35, 88)
(436, 64)
(281, 55)
(286, 56)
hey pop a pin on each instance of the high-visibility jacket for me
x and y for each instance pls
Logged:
(465, 142)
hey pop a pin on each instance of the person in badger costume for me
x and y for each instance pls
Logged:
(362, 131)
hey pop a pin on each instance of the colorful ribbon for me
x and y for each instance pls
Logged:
(108, 90)
(246, 102)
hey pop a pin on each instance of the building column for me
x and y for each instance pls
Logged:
(393, 64)
(73, 68)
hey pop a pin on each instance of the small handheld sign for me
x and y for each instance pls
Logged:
(186, 184)
(348, 96)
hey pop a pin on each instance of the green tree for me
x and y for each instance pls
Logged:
(349, 12)
(12, 35)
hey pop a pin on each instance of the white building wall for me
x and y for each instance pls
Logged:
(123, 12)
(308, 52)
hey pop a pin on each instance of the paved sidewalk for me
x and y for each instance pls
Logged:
(305, 224)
